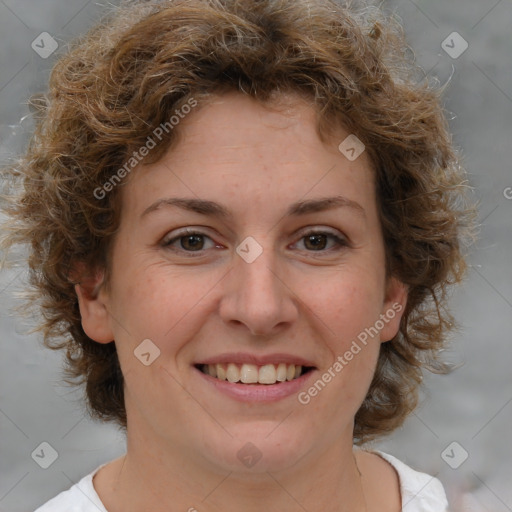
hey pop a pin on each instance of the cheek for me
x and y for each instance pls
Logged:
(151, 303)
(167, 306)
(347, 303)
(349, 308)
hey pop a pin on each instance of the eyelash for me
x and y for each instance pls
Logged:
(167, 244)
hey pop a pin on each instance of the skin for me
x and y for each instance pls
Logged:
(183, 435)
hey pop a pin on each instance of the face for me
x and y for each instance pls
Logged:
(248, 248)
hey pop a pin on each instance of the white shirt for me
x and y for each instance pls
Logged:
(420, 492)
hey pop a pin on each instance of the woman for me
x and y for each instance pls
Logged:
(244, 217)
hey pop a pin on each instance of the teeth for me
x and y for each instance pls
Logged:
(267, 374)
(252, 374)
(221, 371)
(249, 374)
(233, 373)
(281, 372)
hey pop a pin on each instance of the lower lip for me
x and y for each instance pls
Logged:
(258, 392)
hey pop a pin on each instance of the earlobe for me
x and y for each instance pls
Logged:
(93, 310)
(393, 308)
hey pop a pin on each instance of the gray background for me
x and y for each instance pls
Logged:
(471, 407)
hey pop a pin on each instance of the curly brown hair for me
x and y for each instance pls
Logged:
(147, 59)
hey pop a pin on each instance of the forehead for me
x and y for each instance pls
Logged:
(237, 121)
(232, 146)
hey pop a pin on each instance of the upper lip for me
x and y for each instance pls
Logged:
(259, 360)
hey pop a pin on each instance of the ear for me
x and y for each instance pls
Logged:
(92, 301)
(393, 308)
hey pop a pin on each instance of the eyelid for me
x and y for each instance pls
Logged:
(323, 230)
(320, 230)
(177, 233)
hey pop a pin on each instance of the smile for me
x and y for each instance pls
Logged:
(254, 374)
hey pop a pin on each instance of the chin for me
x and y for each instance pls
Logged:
(259, 448)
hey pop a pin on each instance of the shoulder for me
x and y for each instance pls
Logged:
(81, 497)
(419, 492)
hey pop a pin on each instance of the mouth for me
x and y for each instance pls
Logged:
(253, 374)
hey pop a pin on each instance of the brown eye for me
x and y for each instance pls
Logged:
(315, 242)
(192, 242)
(322, 241)
(188, 241)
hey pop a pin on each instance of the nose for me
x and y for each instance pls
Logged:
(258, 297)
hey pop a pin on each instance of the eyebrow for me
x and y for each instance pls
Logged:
(213, 209)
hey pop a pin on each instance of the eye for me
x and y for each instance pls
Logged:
(188, 241)
(194, 241)
(322, 241)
